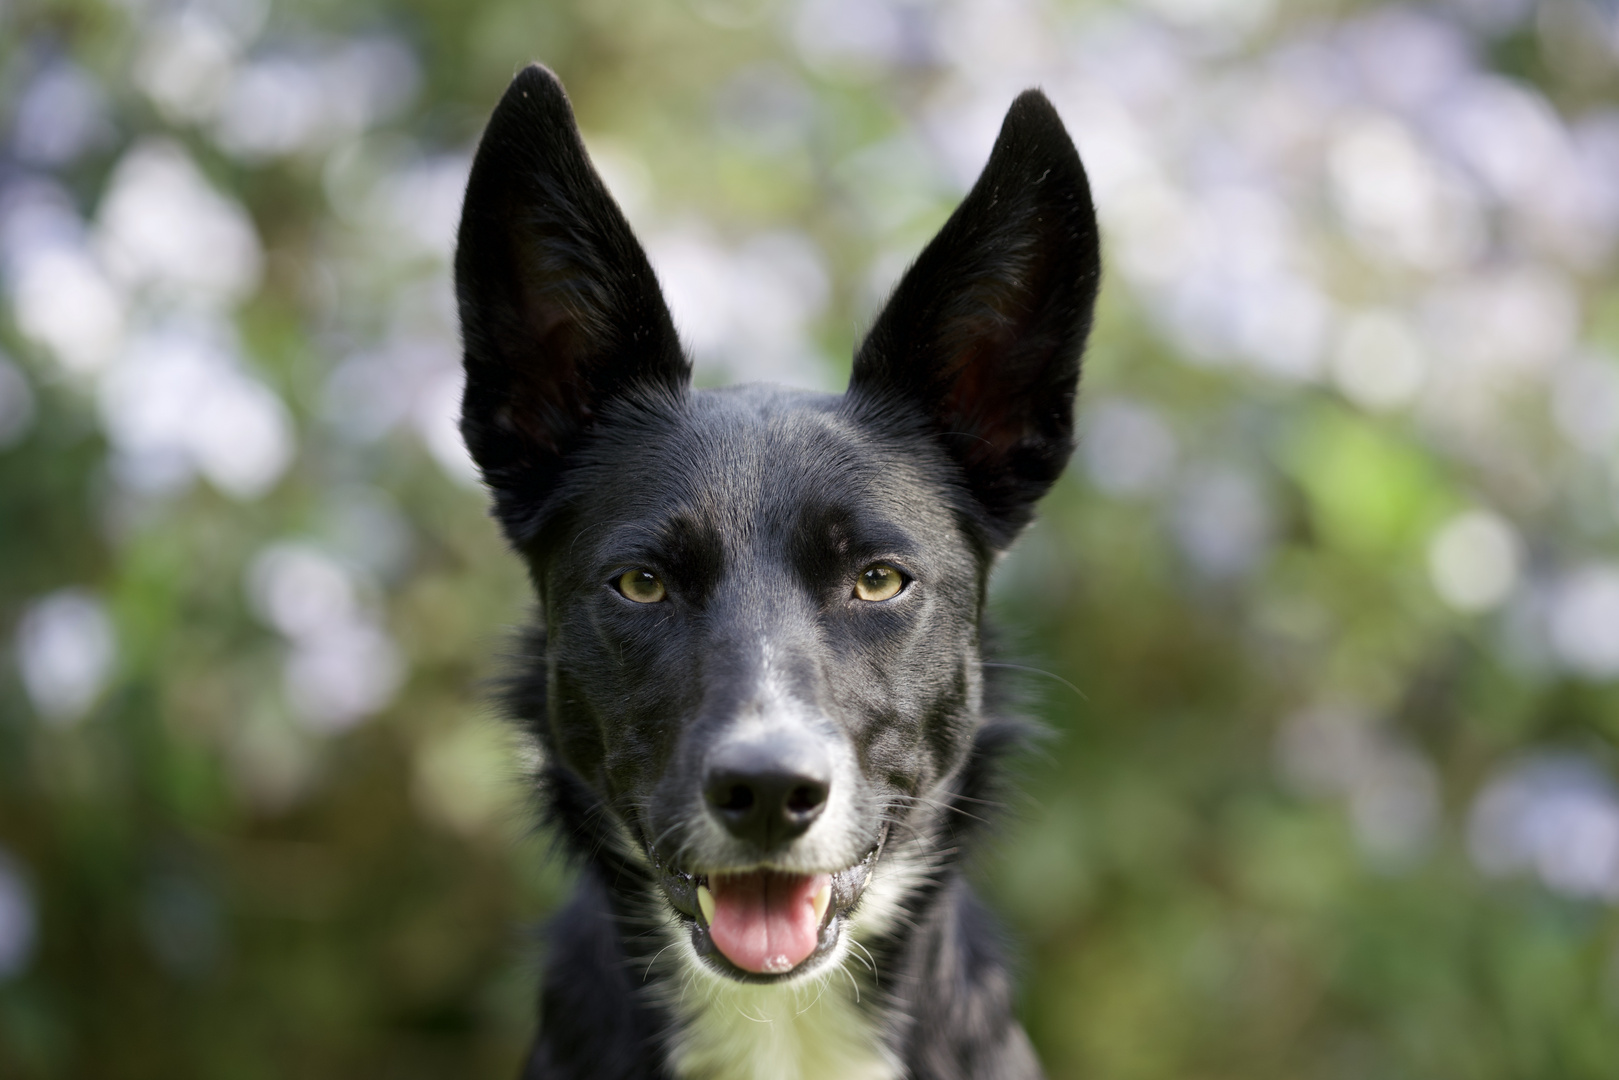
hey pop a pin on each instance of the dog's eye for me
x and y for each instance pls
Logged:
(879, 581)
(642, 586)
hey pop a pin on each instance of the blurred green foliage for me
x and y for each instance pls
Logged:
(1283, 677)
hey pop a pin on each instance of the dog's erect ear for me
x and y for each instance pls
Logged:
(560, 311)
(984, 332)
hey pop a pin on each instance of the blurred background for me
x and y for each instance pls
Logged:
(1329, 599)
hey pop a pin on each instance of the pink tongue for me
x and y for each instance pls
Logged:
(765, 921)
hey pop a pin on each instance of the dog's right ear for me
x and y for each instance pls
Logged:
(560, 311)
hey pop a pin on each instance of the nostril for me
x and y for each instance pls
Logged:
(805, 798)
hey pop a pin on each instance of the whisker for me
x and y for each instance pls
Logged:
(870, 960)
(854, 983)
(1039, 671)
(648, 973)
(820, 989)
(937, 805)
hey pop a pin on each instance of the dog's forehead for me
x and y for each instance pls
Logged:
(753, 460)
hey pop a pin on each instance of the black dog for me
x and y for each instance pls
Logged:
(757, 680)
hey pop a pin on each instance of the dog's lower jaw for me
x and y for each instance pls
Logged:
(827, 1025)
(824, 1023)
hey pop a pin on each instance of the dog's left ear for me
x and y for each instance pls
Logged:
(560, 312)
(984, 332)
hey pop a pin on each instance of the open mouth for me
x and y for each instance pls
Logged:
(761, 924)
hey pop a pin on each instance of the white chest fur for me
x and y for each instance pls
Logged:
(734, 1031)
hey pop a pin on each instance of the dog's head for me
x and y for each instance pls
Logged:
(761, 606)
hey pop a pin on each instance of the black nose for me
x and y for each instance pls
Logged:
(768, 793)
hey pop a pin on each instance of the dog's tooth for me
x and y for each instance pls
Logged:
(823, 897)
(705, 901)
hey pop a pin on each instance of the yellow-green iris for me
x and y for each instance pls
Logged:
(642, 586)
(879, 581)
